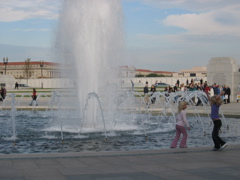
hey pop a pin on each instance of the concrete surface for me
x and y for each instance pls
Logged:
(182, 164)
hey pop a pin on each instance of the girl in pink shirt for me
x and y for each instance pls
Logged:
(181, 121)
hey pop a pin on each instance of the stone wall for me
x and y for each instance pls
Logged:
(224, 71)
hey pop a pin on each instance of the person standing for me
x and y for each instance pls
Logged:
(216, 102)
(132, 85)
(34, 97)
(175, 89)
(146, 96)
(192, 82)
(178, 82)
(181, 121)
(228, 92)
(215, 89)
(16, 85)
(153, 90)
(3, 92)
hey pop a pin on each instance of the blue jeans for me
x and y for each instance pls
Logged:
(32, 102)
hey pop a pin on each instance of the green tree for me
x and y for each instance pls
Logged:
(152, 75)
(139, 75)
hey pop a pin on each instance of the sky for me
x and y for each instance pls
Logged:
(160, 35)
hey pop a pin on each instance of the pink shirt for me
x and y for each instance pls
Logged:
(181, 118)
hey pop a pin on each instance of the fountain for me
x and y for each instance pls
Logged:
(53, 127)
(89, 45)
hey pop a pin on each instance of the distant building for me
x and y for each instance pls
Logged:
(146, 72)
(194, 72)
(127, 71)
(17, 70)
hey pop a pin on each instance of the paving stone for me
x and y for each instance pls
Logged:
(168, 164)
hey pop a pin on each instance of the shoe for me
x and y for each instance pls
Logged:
(215, 149)
(183, 146)
(30, 105)
(223, 146)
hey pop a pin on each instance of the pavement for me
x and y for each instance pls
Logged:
(164, 164)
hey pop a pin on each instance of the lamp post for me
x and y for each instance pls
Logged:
(5, 62)
(41, 65)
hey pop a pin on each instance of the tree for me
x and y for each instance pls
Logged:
(27, 69)
(139, 75)
(152, 75)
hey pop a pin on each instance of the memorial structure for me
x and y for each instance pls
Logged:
(7, 81)
(224, 71)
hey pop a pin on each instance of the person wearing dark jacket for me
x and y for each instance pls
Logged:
(153, 90)
(228, 92)
(146, 96)
(3, 93)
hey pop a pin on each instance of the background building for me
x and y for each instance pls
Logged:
(35, 69)
(194, 72)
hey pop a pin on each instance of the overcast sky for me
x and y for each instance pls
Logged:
(164, 35)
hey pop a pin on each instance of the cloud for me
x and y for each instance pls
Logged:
(199, 17)
(222, 22)
(191, 5)
(19, 10)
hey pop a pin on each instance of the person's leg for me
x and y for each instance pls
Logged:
(198, 102)
(145, 98)
(183, 143)
(175, 140)
(218, 142)
(154, 99)
(31, 103)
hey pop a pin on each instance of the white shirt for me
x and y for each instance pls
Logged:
(181, 119)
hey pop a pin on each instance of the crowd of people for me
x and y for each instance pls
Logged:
(212, 90)
(216, 95)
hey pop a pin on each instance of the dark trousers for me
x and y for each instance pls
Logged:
(228, 100)
(218, 142)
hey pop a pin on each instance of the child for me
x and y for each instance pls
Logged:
(216, 102)
(181, 120)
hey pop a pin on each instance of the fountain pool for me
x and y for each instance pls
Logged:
(40, 133)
